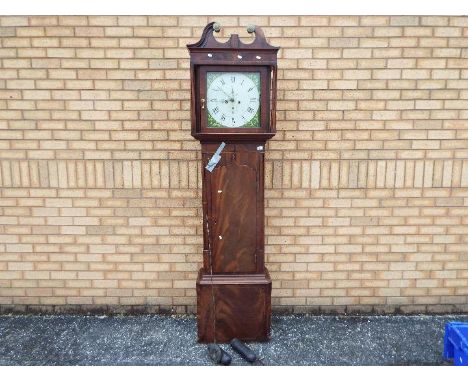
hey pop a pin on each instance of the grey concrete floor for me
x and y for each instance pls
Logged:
(171, 340)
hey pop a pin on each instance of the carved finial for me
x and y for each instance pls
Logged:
(251, 28)
(216, 27)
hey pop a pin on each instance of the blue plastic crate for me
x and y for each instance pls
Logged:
(456, 342)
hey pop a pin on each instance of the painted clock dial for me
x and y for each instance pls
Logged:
(233, 99)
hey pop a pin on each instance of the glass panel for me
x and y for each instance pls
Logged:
(233, 99)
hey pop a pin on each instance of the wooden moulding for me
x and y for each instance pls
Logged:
(233, 45)
(241, 304)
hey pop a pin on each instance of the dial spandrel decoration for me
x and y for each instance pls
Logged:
(233, 99)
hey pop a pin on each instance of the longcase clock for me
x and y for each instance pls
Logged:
(233, 96)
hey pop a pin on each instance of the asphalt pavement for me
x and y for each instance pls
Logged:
(171, 340)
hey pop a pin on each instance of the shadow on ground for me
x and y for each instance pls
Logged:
(166, 340)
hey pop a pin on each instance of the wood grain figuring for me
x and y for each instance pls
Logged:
(250, 161)
(241, 309)
(233, 196)
(233, 287)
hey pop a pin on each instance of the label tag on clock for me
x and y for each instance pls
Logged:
(215, 158)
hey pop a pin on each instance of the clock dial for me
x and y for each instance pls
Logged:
(233, 99)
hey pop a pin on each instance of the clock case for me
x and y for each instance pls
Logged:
(233, 286)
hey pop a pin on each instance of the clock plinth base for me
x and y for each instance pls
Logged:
(233, 306)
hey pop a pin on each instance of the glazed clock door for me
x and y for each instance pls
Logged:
(234, 201)
(233, 100)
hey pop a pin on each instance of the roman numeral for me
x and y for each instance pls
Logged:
(250, 89)
(222, 82)
(250, 110)
(223, 117)
(233, 121)
(253, 100)
(216, 110)
(233, 79)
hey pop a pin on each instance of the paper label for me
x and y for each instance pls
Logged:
(215, 158)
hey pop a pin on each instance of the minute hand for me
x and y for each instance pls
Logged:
(223, 91)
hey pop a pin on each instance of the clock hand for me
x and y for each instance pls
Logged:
(234, 96)
(219, 88)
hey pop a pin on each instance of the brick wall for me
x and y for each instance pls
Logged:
(366, 180)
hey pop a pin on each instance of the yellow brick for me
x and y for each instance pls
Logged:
(364, 180)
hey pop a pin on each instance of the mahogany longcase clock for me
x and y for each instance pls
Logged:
(233, 95)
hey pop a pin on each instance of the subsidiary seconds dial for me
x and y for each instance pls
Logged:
(233, 99)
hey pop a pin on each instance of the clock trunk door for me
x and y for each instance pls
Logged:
(234, 217)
